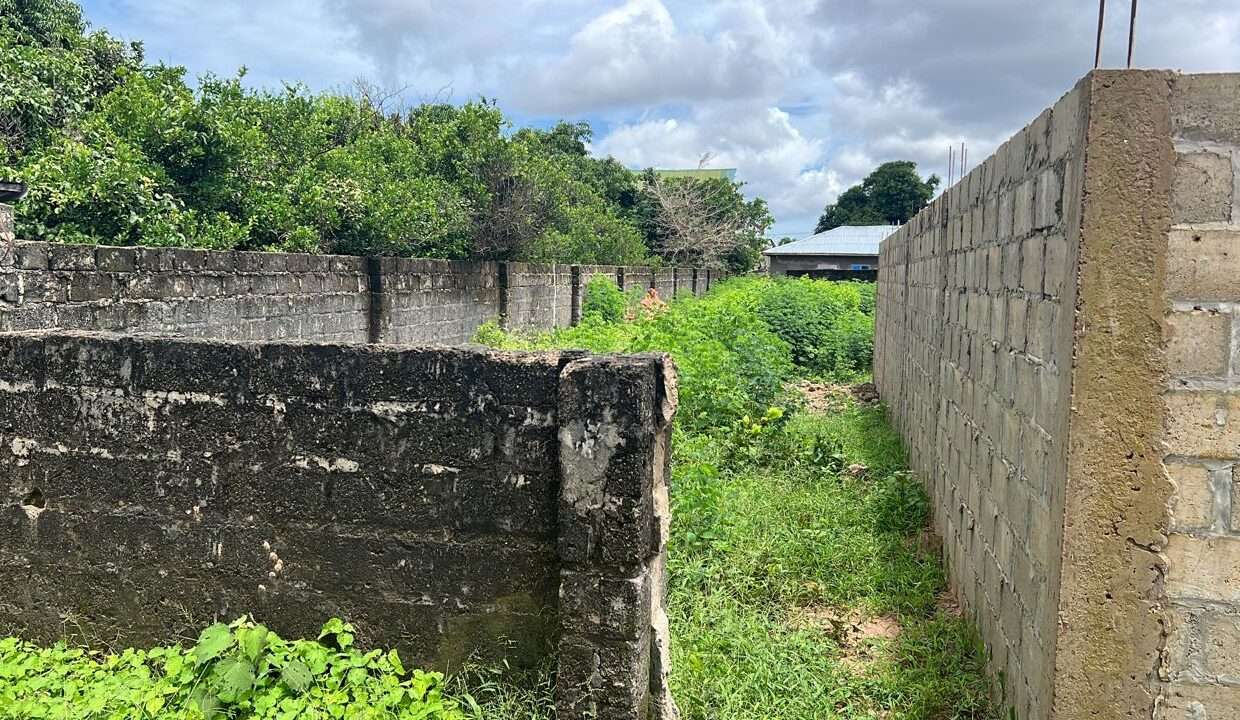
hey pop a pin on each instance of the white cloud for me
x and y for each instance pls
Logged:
(771, 155)
(635, 55)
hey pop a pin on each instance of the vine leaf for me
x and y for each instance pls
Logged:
(253, 641)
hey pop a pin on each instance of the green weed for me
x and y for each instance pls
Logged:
(241, 670)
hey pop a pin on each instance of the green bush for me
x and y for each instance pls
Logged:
(823, 323)
(121, 152)
(604, 301)
(786, 523)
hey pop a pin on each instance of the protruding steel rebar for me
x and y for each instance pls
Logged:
(1102, 10)
(1132, 27)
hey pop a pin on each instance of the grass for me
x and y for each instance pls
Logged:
(800, 587)
(777, 555)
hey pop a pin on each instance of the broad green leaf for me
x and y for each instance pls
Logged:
(236, 679)
(213, 641)
(296, 676)
(253, 641)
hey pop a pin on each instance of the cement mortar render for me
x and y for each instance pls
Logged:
(1058, 343)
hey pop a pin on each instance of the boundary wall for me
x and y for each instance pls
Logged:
(287, 296)
(1058, 344)
(456, 504)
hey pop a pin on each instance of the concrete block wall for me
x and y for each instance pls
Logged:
(442, 302)
(6, 224)
(973, 359)
(1056, 344)
(664, 282)
(683, 278)
(451, 503)
(273, 296)
(1202, 401)
(636, 277)
(539, 297)
(197, 293)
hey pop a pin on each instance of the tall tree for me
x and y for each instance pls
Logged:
(890, 195)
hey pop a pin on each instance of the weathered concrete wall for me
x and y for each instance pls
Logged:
(275, 296)
(451, 503)
(197, 293)
(1056, 344)
(436, 301)
(664, 282)
(636, 277)
(683, 280)
(6, 223)
(539, 296)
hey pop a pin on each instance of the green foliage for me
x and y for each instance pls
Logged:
(241, 670)
(824, 324)
(604, 301)
(119, 152)
(890, 195)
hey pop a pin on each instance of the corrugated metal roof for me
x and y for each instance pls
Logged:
(729, 173)
(843, 240)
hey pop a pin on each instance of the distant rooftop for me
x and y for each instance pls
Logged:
(843, 240)
(729, 173)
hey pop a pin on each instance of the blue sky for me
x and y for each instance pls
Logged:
(803, 97)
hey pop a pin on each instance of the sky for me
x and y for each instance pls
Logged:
(802, 97)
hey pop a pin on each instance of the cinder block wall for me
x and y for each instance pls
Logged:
(636, 277)
(1057, 347)
(197, 293)
(973, 356)
(435, 301)
(1202, 659)
(278, 296)
(454, 504)
(664, 282)
(539, 296)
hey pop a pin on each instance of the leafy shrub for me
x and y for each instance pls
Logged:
(121, 152)
(604, 300)
(822, 322)
(240, 671)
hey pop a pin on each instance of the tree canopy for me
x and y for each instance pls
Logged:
(119, 151)
(890, 195)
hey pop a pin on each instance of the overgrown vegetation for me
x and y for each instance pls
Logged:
(122, 152)
(799, 587)
(241, 670)
(802, 583)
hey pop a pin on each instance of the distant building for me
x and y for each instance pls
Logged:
(728, 173)
(848, 252)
